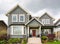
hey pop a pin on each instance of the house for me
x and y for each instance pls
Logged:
(3, 27)
(57, 29)
(57, 23)
(21, 24)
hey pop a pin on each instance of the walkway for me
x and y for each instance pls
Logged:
(34, 40)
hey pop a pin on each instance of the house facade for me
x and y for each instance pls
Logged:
(21, 24)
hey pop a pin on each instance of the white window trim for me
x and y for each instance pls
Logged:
(46, 21)
(16, 17)
(17, 34)
(23, 18)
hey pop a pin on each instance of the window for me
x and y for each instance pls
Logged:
(47, 31)
(21, 18)
(46, 21)
(14, 18)
(17, 30)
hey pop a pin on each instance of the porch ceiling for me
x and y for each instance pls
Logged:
(33, 27)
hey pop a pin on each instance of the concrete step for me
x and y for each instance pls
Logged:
(34, 40)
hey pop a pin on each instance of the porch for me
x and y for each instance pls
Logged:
(33, 28)
(34, 31)
(45, 30)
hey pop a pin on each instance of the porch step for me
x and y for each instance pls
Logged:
(34, 40)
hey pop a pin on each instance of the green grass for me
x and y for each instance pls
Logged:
(57, 42)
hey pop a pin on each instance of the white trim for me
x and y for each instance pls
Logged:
(28, 31)
(11, 30)
(23, 17)
(24, 9)
(46, 13)
(16, 17)
(22, 30)
(40, 31)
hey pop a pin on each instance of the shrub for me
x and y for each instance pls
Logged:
(14, 40)
(3, 41)
(24, 41)
(51, 37)
(44, 37)
(3, 37)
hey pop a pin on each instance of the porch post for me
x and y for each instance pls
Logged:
(52, 31)
(28, 31)
(40, 31)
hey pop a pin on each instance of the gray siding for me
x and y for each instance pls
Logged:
(17, 11)
(47, 17)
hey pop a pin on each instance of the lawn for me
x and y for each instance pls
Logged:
(57, 42)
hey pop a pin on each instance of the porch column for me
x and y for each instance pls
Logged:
(28, 31)
(40, 31)
(52, 31)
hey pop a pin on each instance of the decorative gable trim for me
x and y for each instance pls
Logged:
(32, 20)
(56, 21)
(17, 5)
(48, 15)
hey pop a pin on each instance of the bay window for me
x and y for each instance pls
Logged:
(17, 30)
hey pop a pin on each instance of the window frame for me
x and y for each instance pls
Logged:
(16, 17)
(12, 30)
(46, 21)
(23, 17)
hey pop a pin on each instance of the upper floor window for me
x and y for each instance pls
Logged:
(46, 21)
(21, 18)
(14, 18)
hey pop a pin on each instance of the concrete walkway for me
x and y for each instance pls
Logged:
(34, 40)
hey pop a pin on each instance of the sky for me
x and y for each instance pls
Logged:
(35, 6)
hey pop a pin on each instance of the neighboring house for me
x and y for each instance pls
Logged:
(21, 24)
(3, 27)
(57, 29)
(57, 23)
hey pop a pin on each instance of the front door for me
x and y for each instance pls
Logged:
(33, 32)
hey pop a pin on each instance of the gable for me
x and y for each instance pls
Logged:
(47, 16)
(18, 10)
(34, 22)
(58, 22)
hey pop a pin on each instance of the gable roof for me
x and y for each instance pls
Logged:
(18, 5)
(32, 20)
(3, 22)
(4, 18)
(46, 13)
(56, 21)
